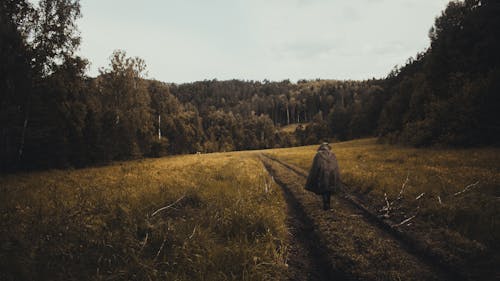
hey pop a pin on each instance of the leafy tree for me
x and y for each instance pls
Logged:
(15, 75)
(38, 41)
(445, 95)
(127, 119)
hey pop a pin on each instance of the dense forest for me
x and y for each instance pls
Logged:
(53, 115)
(450, 93)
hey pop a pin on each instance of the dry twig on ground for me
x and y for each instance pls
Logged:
(168, 206)
(420, 196)
(467, 188)
(161, 248)
(406, 221)
(400, 195)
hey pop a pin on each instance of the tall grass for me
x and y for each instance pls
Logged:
(376, 169)
(225, 221)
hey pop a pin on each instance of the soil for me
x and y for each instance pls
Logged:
(309, 259)
(344, 243)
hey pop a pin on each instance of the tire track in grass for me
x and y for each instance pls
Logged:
(308, 260)
(356, 244)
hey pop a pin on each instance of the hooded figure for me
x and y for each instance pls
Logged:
(324, 177)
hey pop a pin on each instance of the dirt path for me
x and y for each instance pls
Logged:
(309, 260)
(342, 243)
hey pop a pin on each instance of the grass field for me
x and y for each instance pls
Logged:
(224, 218)
(226, 222)
(467, 222)
(289, 128)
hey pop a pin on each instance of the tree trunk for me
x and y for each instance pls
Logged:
(159, 128)
(25, 127)
(287, 115)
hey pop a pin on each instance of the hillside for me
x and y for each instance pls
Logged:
(221, 215)
(109, 174)
(52, 115)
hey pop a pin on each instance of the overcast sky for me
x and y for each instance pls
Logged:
(191, 40)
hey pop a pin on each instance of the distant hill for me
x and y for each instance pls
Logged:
(52, 115)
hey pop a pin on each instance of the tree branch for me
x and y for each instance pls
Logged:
(467, 188)
(168, 206)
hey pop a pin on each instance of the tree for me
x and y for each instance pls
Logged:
(14, 71)
(445, 95)
(35, 42)
(127, 120)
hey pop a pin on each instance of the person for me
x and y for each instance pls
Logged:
(324, 177)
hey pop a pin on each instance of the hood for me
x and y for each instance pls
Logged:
(324, 147)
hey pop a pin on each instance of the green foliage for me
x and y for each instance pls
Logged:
(41, 83)
(61, 118)
(54, 116)
(446, 96)
(52, 34)
(15, 70)
(127, 123)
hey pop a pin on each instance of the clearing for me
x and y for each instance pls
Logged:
(441, 205)
(405, 214)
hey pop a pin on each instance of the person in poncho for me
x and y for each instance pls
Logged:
(324, 177)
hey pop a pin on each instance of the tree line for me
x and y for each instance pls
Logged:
(53, 115)
(450, 93)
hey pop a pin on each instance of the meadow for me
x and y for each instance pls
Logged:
(450, 196)
(194, 217)
(220, 216)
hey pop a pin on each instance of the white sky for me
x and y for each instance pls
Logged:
(191, 40)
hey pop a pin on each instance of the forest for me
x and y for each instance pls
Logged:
(53, 115)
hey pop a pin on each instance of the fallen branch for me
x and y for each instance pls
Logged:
(145, 241)
(439, 200)
(387, 202)
(400, 195)
(161, 248)
(192, 234)
(467, 188)
(168, 206)
(388, 205)
(405, 221)
(420, 196)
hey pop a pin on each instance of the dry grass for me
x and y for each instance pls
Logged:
(289, 128)
(356, 247)
(467, 224)
(96, 223)
(229, 223)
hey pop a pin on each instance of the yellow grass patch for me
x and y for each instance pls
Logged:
(374, 169)
(289, 128)
(226, 220)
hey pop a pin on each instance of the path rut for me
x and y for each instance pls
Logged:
(342, 243)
